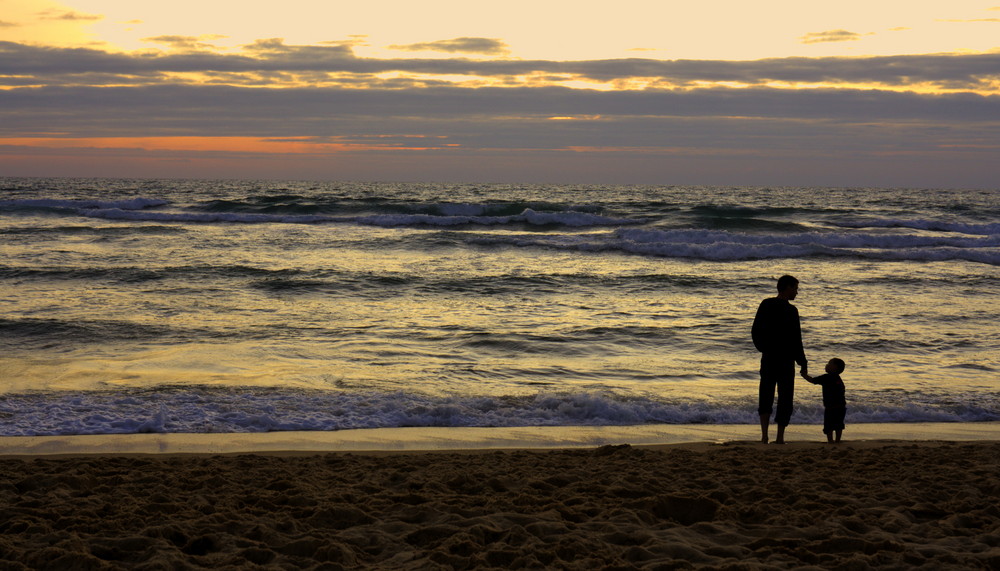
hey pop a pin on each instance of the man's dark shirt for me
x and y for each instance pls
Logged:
(833, 390)
(776, 330)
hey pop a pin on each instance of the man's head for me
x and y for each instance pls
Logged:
(835, 366)
(788, 287)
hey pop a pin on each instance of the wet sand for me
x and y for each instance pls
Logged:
(472, 438)
(858, 505)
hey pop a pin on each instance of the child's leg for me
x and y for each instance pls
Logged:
(828, 424)
(841, 415)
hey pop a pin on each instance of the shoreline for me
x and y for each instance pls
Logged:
(441, 439)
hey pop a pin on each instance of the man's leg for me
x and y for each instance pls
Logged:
(786, 393)
(765, 401)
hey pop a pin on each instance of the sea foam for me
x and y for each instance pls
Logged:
(720, 245)
(239, 410)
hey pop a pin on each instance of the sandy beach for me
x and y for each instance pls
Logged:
(859, 505)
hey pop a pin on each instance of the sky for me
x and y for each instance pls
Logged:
(805, 93)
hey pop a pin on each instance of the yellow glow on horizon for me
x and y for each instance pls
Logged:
(577, 118)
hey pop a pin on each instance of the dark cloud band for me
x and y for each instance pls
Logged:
(954, 71)
(209, 110)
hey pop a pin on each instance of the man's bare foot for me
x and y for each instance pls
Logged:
(781, 435)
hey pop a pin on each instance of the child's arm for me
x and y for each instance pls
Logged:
(808, 377)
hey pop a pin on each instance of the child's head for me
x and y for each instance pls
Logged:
(835, 366)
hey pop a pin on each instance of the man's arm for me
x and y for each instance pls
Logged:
(760, 332)
(800, 352)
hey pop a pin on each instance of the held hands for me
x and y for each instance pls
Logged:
(804, 371)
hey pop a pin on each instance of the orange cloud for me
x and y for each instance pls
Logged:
(269, 145)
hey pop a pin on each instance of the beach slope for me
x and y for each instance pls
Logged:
(858, 505)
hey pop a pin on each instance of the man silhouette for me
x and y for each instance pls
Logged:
(778, 336)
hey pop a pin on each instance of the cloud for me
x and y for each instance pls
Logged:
(185, 42)
(282, 93)
(830, 36)
(504, 134)
(273, 63)
(335, 112)
(449, 133)
(484, 46)
(269, 45)
(480, 117)
(4, 24)
(68, 15)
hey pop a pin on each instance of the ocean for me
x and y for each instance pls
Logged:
(195, 306)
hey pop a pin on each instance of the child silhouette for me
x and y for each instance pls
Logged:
(834, 400)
